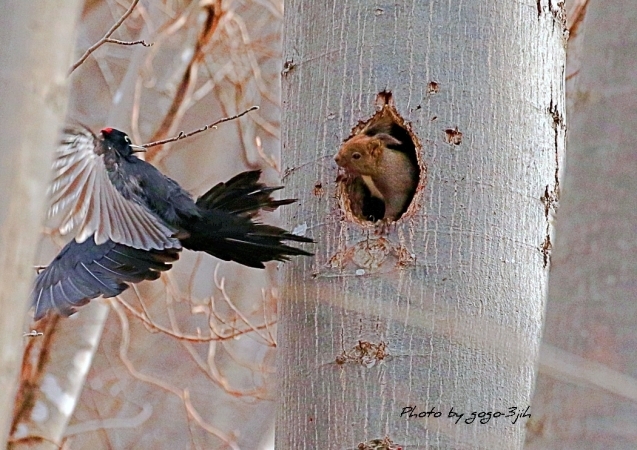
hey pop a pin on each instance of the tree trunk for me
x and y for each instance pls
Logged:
(587, 384)
(37, 42)
(440, 312)
(54, 369)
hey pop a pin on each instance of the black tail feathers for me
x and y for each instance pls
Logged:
(242, 195)
(226, 229)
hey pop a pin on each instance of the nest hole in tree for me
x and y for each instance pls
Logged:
(381, 168)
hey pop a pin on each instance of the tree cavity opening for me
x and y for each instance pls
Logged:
(381, 170)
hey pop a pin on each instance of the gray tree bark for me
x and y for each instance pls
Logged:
(34, 58)
(441, 311)
(587, 385)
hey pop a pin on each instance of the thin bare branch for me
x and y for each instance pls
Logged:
(111, 423)
(213, 125)
(220, 285)
(184, 395)
(140, 42)
(576, 18)
(213, 374)
(29, 441)
(229, 439)
(104, 39)
(154, 326)
(183, 94)
(268, 159)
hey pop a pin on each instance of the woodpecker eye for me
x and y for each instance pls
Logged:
(127, 139)
(356, 155)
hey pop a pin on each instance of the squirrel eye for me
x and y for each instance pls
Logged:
(356, 155)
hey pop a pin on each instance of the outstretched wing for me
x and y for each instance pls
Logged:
(82, 272)
(82, 190)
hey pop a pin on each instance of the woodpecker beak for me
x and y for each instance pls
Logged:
(137, 148)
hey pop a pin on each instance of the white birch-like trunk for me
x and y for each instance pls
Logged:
(446, 312)
(53, 374)
(587, 385)
(59, 366)
(36, 41)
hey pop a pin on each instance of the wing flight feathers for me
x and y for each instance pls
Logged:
(83, 192)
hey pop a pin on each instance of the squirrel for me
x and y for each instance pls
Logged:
(389, 174)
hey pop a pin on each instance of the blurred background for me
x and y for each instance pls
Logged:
(190, 366)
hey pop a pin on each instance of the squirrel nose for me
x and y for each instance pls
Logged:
(337, 158)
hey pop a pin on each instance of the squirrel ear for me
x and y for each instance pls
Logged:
(387, 140)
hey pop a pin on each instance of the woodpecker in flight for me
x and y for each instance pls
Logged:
(132, 221)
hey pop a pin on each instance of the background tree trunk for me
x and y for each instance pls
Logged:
(37, 39)
(446, 311)
(587, 386)
(206, 379)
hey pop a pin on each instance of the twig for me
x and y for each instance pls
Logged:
(228, 439)
(185, 88)
(221, 286)
(117, 41)
(154, 326)
(184, 395)
(30, 440)
(104, 39)
(213, 125)
(265, 317)
(110, 423)
(212, 373)
(33, 333)
(577, 18)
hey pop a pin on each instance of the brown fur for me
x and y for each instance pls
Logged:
(389, 174)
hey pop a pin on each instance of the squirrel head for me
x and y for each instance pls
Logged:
(362, 153)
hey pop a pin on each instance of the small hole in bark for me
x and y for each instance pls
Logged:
(453, 136)
(381, 168)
